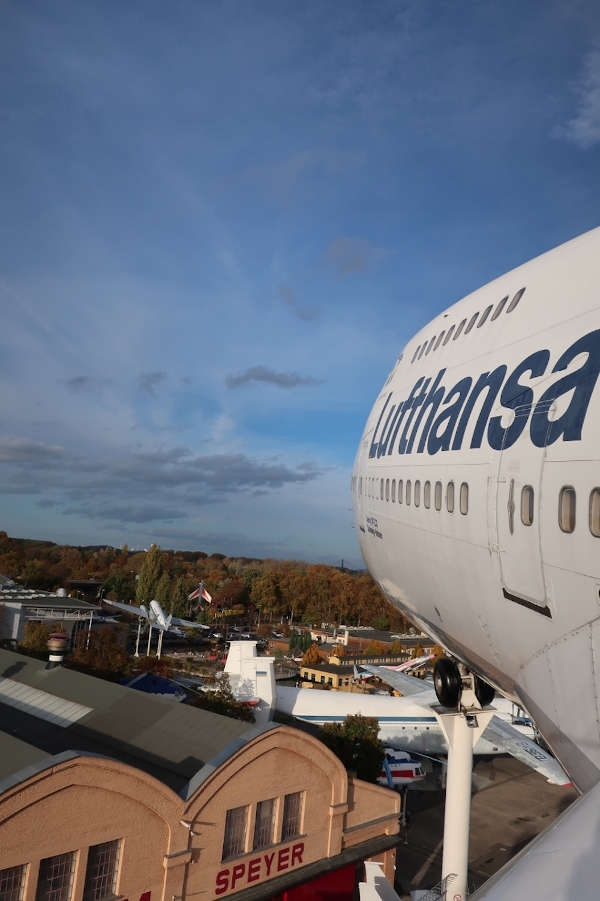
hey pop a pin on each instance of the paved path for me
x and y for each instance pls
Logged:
(512, 805)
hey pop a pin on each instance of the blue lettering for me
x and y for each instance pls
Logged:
(582, 382)
(417, 400)
(449, 416)
(493, 382)
(519, 398)
(373, 448)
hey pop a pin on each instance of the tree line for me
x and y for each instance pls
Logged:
(269, 589)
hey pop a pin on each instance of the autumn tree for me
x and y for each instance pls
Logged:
(35, 637)
(311, 656)
(417, 651)
(340, 650)
(101, 652)
(356, 743)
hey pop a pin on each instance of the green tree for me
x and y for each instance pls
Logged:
(179, 597)
(163, 590)
(120, 586)
(150, 573)
(356, 743)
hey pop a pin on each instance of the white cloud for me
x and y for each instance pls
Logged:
(584, 128)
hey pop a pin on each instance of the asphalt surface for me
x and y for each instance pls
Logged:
(511, 806)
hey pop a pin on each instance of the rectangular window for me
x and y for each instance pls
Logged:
(292, 816)
(55, 880)
(236, 823)
(12, 882)
(265, 820)
(450, 497)
(101, 872)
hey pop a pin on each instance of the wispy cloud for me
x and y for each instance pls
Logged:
(86, 383)
(352, 255)
(584, 128)
(264, 374)
(149, 381)
(306, 312)
(283, 176)
(22, 450)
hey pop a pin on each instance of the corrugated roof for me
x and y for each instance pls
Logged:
(171, 741)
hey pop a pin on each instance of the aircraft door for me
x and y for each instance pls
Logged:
(519, 524)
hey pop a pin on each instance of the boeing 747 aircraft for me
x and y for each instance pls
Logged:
(476, 493)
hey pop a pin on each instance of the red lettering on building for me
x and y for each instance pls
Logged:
(222, 882)
(253, 870)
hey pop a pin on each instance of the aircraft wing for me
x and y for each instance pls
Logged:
(402, 682)
(511, 741)
(127, 608)
(175, 621)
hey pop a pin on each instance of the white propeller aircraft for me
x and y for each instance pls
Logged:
(476, 494)
(156, 617)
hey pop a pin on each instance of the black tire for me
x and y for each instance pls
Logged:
(447, 682)
(484, 692)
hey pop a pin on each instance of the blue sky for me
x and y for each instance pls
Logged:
(220, 224)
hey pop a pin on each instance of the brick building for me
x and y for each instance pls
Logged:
(109, 792)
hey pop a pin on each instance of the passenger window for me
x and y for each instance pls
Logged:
(472, 322)
(464, 498)
(450, 497)
(360, 485)
(566, 508)
(430, 345)
(516, 299)
(438, 495)
(427, 495)
(485, 315)
(381, 489)
(439, 340)
(408, 491)
(387, 489)
(499, 308)
(415, 353)
(527, 505)
(422, 350)
(459, 329)
(449, 335)
(417, 493)
(393, 491)
(595, 512)
(400, 490)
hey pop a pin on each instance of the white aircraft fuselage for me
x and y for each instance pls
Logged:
(476, 491)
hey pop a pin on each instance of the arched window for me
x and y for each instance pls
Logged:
(595, 512)
(472, 322)
(499, 308)
(438, 495)
(464, 498)
(527, 505)
(566, 508)
(417, 493)
(516, 299)
(485, 315)
(427, 495)
(450, 497)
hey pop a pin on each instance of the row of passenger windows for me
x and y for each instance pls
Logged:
(407, 492)
(401, 491)
(455, 331)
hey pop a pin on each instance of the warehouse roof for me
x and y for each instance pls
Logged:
(54, 710)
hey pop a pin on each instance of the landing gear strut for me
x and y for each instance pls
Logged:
(462, 719)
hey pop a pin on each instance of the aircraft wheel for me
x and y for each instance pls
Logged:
(484, 692)
(447, 682)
